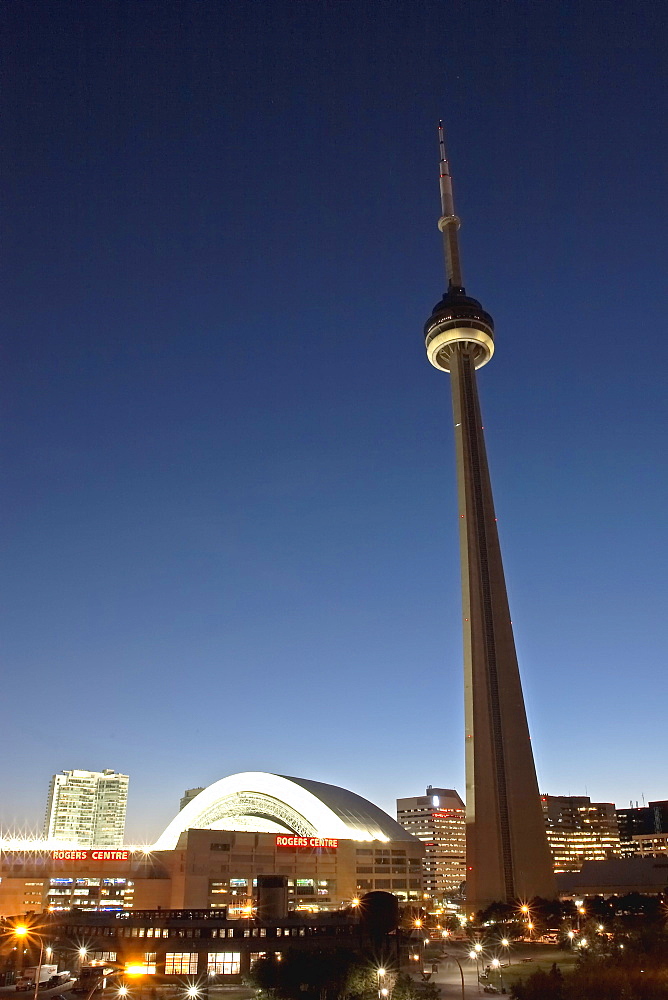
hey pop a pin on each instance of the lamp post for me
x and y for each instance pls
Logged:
(381, 981)
(474, 955)
(20, 932)
(497, 965)
(505, 943)
(39, 966)
(451, 958)
(23, 933)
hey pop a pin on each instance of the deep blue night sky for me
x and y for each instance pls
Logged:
(229, 512)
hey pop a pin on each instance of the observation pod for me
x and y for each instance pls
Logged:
(458, 319)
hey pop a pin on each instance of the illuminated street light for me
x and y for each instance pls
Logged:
(417, 922)
(495, 963)
(192, 992)
(478, 947)
(83, 952)
(354, 902)
(472, 954)
(122, 991)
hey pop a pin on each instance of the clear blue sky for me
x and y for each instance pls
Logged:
(229, 513)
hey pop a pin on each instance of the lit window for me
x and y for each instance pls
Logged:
(224, 963)
(181, 963)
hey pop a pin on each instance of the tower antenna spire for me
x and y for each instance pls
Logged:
(448, 222)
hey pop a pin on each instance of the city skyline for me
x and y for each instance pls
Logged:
(249, 553)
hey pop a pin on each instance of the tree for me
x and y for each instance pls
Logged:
(316, 974)
(541, 986)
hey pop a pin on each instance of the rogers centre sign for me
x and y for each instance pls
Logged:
(306, 843)
(96, 855)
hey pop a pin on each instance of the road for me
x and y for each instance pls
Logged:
(448, 977)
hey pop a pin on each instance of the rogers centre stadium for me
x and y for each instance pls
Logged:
(328, 844)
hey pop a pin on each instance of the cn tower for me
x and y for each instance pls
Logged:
(507, 856)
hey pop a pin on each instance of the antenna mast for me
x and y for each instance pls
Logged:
(449, 222)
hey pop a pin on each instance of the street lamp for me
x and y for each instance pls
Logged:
(451, 958)
(381, 982)
(19, 932)
(23, 933)
(474, 955)
(497, 966)
(505, 943)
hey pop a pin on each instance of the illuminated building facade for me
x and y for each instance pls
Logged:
(653, 845)
(507, 856)
(579, 830)
(438, 819)
(641, 821)
(183, 947)
(330, 845)
(87, 808)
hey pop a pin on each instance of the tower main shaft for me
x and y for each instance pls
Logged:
(507, 856)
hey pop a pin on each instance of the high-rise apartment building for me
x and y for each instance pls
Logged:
(507, 856)
(438, 819)
(87, 808)
(579, 830)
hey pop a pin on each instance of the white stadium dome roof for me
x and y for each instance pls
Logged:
(274, 803)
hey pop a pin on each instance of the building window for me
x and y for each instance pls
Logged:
(224, 963)
(147, 968)
(181, 963)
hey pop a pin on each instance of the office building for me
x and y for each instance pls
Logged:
(652, 845)
(641, 822)
(87, 809)
(188, 795)
(579, 830)
(507, 856)
(438, 819)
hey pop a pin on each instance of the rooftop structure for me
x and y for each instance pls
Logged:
(273, 803)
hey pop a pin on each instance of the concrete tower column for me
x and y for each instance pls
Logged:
(507, 855)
